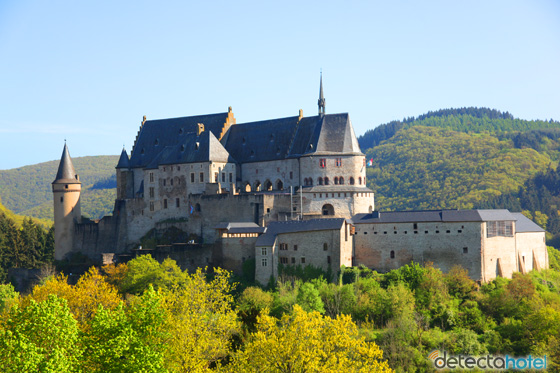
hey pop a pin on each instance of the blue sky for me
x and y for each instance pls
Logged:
(87, 71)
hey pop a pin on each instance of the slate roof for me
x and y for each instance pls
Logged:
(66, 173)
(278, 227)
(434, 216)
(192, 148)
(242, 227)
(290, 137)
(156, 135)
(524, 224)
(124, 162)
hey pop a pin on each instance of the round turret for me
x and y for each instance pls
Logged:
(66, 192)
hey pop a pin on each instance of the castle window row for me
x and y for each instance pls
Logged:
(338, 180)
(499, 229)
(341, 195)
(323, 162)
(416, 232)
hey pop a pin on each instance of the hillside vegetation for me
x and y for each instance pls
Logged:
(428, 168)
(27, 190)
(456, 158)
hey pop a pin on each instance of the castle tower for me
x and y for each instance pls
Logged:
(125, 177)
(321, 101)
(66, 192)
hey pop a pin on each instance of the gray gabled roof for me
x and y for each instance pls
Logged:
(433, 216)
(524, 224)
(156, 135)
(279, 227)
(66, 173)
(192, 148)
(291, 137)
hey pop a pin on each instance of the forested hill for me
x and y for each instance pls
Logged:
(27, 190)
(458, 158)
(469, 120)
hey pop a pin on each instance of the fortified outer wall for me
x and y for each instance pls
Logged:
(235, 251)
(499, 256)
(444, 244)
(532, 246)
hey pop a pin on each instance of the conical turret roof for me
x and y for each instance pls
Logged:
(124, 162)
(66, 173)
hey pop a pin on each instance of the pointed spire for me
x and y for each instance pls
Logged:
(321, 101)
(123, 160)
(66, 172)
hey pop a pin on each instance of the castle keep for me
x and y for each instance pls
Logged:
(281, 191)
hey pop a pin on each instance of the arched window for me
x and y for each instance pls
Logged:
(341, 180)
(326, 180)
(268, 185)
(392, 254)
(247, 187)
(279, 185)
(327, 209)
(257, 187)
(197, 207)
(320, 181)
(351, 180)
(335, 180)
(305, 182)
(311, 181)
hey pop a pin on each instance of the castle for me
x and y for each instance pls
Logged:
(281, 191)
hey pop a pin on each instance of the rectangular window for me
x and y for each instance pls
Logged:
(293, 260)
(322, 162)
(163, 182)
(171, 181)
(465, 250)
(291, 175)
(263, 251)
(215, 177)
(151, 206)
(152, 193)
(303, 260)
(283, 246)
(192, 177)
(295, 247)
(338, 162)
(283, 260)
(151, 177)
(329, 259)
(177, 202)
(230, 177)
(264, 262)
(201, 178)
(164, 203)
(223, 177)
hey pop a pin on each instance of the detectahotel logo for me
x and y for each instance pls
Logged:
(490, 362)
